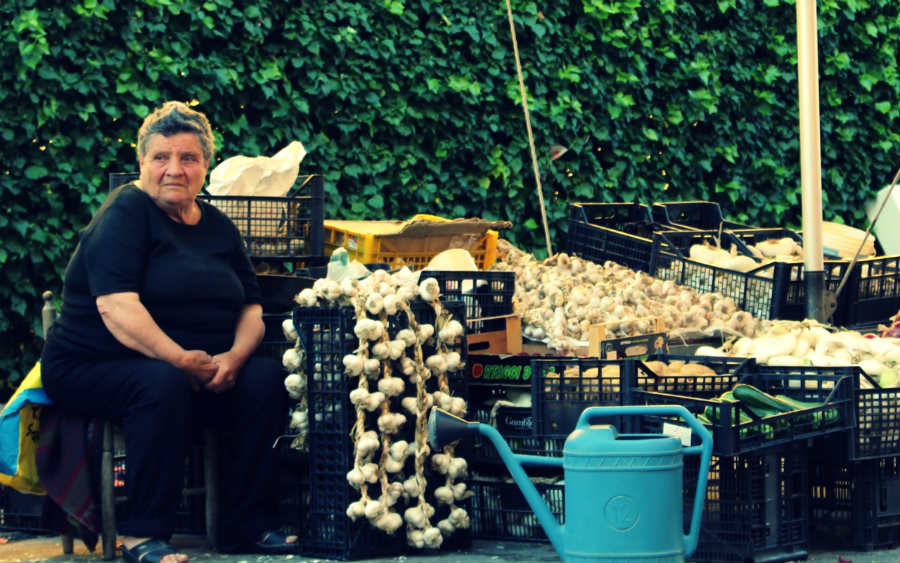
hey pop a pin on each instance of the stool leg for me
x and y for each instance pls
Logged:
(107, 494)
(68, 545)
(211, 480)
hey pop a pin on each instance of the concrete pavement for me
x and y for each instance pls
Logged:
(28, 548)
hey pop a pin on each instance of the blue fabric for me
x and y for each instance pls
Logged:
(9, 426)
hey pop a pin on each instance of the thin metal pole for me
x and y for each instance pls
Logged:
(810, 158)
(534, 162)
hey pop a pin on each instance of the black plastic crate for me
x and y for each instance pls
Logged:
(876, 411)
(327, 335)
(279, 228)
(20, 512)
(853, 504)
(775, 290)
(273, 228)
(563, 387)
(293, 502)
(728, 371)
(756, 506)
(621, 232)
(689, 215)
(485, 293)
(516, 425)
(497, 384)
(638, 346)
(278, 291)
(736, 430)
(500, 511)
(874, 293)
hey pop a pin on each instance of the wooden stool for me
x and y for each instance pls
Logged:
(113, 442)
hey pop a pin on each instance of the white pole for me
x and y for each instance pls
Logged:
(810, 157)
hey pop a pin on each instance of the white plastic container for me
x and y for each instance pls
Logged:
(887, 228)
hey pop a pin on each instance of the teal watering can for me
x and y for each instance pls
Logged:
(623, 492)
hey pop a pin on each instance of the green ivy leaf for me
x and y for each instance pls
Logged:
(35, 172)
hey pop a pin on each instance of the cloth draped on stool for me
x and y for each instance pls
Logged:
(67, 457)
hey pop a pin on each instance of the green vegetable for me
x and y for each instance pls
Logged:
(755, 398)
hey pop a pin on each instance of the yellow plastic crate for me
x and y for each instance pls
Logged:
(411, 243)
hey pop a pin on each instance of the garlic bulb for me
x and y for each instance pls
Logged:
(437, 364)
(407, 336)
(391, 386)
(295, 384)
(429, 290)
(433, 538)
(413, 487)
(390, 522)
(459, 518)
(444, 495)
(450, 332)
(416, 539)
(291, 359)
(290, 332)
(356, 477)
(306, 298)
(454, 361)
(353, 364)
(356, 510)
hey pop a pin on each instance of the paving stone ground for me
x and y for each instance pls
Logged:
(22, 548)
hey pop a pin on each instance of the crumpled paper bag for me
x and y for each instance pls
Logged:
(259, 175)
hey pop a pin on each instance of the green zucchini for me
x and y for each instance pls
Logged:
(829, 416)
(754, 398)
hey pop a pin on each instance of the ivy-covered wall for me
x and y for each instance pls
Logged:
(411, 106)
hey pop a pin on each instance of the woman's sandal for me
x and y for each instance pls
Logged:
(150, 551)
(273, 542)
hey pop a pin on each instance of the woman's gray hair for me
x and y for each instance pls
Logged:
(173, 118)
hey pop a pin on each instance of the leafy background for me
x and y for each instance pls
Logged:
(413, 106)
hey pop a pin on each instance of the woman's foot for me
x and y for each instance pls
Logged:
(275, 542)
(270, 542)
(149, 550)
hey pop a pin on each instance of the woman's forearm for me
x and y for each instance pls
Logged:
(249, 331)
(131, 324)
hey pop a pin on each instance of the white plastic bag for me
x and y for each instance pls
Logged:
(259, 175)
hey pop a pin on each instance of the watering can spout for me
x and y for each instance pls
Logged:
(444, 428)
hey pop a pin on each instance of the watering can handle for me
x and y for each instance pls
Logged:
(705, 451)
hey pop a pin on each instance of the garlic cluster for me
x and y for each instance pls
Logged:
(295, 383)
(400, 370)
(560, 297)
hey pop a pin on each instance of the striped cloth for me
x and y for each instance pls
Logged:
(67, 457)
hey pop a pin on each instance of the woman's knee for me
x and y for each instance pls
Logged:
(160, 383)
(261, 377)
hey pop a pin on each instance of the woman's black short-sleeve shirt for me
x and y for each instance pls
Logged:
(193, 279)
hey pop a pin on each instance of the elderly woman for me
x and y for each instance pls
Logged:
(160, 320)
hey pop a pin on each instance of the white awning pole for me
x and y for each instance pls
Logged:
(810, 157)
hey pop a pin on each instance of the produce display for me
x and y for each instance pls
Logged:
(893, 330)
(811, 343)
(393, 375)
(562, 296)
(783, 249)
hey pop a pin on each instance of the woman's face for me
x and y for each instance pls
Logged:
(173, 169)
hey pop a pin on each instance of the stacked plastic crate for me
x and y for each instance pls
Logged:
(327, 336)
(757, 500)
(534, 402)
